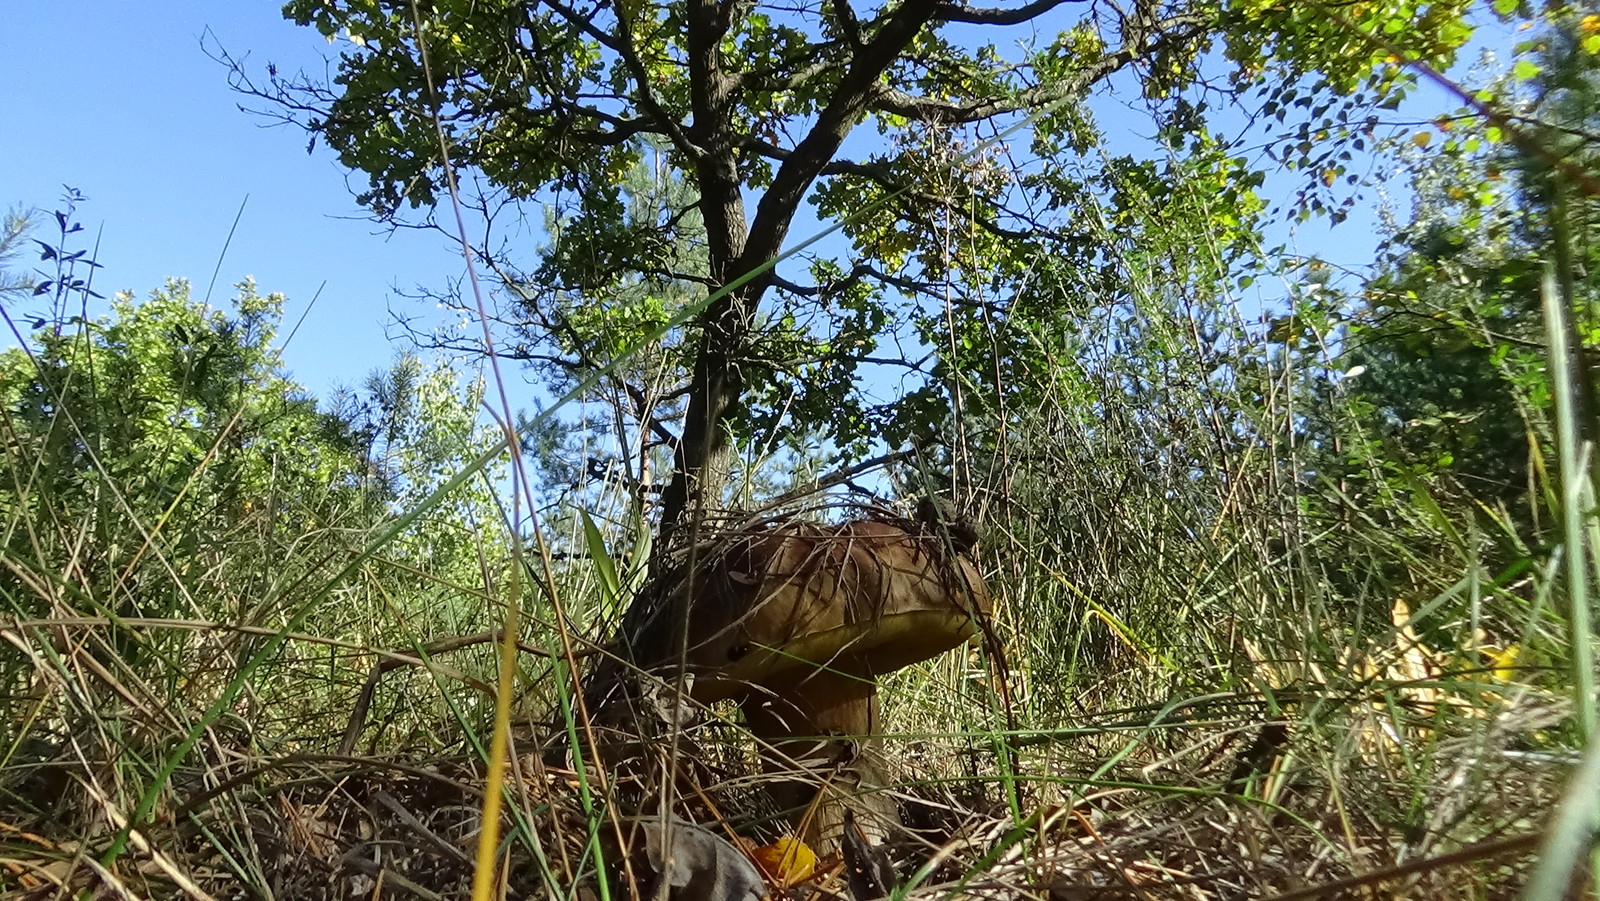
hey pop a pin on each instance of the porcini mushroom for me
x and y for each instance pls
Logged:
(798, 621)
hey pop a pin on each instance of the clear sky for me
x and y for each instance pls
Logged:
(119, 101)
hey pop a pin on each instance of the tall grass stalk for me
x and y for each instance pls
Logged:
(1569, 835)
(1572, 459)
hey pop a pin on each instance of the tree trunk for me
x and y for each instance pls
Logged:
(703, 457)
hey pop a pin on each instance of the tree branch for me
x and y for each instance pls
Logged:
(951, 12)
(839, 477)
(950, 112)
(849, 26)
(856, 274)
(623, 45)
(641, 412)
(775, 212)
(883, 177)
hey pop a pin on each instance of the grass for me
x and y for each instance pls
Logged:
(1234, 656)
(1187, 705)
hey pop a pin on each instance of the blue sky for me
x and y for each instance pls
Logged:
(120, 101)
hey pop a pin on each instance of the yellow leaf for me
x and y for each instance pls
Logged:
(1503, 662)
(1422, 138)
(789, 861)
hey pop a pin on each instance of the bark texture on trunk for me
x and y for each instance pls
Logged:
(735, 247)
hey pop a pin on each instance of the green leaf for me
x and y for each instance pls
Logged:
(604, 568)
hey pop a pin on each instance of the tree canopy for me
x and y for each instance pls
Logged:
(887, 118)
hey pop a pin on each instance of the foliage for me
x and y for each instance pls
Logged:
(162, 431)
(1278, 581)
(1443, 352)
(161, 466)
(422, 424)
(752, 109)
(14, 230)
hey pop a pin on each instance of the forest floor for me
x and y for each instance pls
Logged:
(1213, 807)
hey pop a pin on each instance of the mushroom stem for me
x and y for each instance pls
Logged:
(820, 736)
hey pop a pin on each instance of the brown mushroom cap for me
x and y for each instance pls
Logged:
(857, 600)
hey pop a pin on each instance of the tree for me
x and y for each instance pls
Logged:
(417, 423)
(156, 458)
(754, 105)
(1449, 334)
(180, 408)
(564, 335)
(1439, 387)
(14, 229)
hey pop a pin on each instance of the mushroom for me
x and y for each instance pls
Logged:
(797, 622)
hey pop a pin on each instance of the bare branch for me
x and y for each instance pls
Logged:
(951, 12)
(958, 112)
